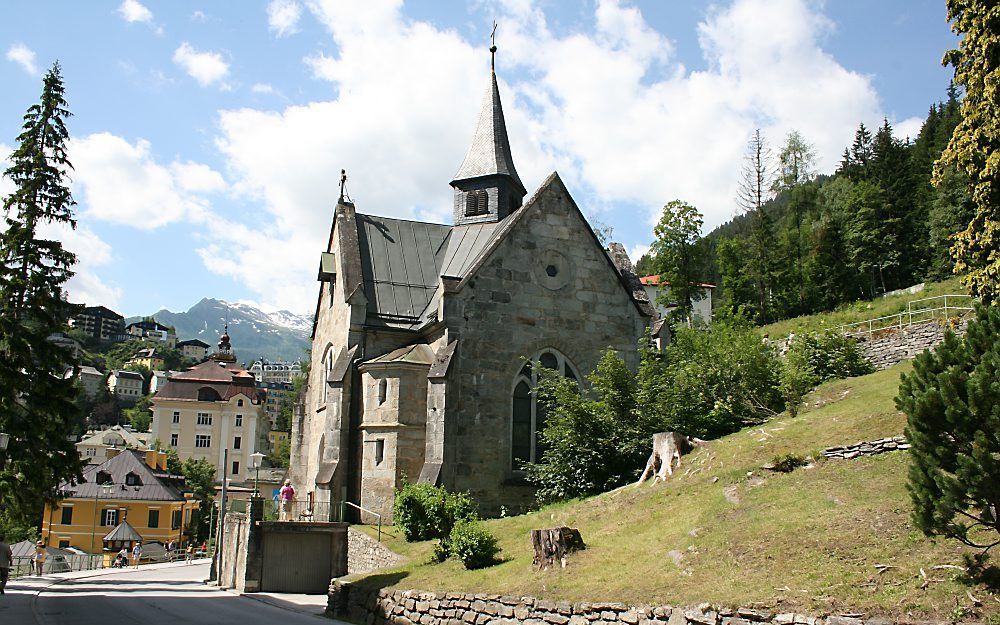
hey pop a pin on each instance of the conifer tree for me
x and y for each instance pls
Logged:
(755, 189)
(975, 143)
(36, 401)
(952, 405)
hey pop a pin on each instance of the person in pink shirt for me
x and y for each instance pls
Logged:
(285, 497)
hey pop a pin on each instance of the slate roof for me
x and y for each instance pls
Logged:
(125, 373)
(195, 342)
(419, 354)
(228, 380)
(400, 266)
(155, 486)
(489, 154)
(123, 532)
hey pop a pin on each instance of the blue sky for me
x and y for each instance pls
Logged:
(208, 137)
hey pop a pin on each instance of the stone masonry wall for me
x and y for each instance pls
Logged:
(408, 607)
(891, 348)
(364, 553)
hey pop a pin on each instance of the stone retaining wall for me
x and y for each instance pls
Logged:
(888, 348)
(409, 607)
(364, 553)
(868, 448)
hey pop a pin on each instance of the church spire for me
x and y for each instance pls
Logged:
(488, 166)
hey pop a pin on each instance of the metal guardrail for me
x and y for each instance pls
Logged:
(24, 565)
(377, 515)
(940, 306)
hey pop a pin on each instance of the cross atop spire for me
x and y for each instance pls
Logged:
(493, 47)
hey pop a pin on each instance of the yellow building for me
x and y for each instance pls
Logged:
(130, 486)
(276, 436)
(147, 358)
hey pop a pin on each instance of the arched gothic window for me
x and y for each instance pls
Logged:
(527, 415)
(476, 203)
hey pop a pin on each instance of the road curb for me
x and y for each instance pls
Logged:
(271, 602)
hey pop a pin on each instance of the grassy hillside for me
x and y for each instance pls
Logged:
(861, 311)
(726, 532)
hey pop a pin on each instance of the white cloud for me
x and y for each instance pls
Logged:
(122, 183)
(283, 16)
(908, 128)
(262, 88)
(23, 56)
(134, 11)
(199, 16)
(207, 68)
(91, 251)
(607, 105)
(637, 251)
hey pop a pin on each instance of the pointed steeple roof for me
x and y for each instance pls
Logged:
(489, 154)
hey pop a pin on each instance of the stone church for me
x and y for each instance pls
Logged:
(422, 332)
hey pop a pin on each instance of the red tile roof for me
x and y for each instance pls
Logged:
(655, 281)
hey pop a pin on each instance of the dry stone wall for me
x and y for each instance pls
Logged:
(364, 553)
(409, 607)
(887, 349)
(867, 448)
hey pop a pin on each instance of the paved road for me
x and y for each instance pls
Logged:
(159, 595)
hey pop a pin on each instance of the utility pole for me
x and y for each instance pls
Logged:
(216, 574)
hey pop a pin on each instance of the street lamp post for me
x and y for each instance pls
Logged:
(256, 459)
(106, 487)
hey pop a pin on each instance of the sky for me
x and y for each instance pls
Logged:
(208, 137)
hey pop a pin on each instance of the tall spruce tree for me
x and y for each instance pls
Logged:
(952, 406)
(975, 143)
(37, 406)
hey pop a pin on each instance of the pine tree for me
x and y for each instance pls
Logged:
(37, 404)
(755, 189)
(952, 405)
(975, 143)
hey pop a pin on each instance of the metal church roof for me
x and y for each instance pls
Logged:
(400, 266)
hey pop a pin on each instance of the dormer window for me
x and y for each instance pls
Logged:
(103, 477)
(133, 479)
(476, 203)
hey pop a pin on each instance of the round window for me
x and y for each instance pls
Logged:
(553, 270)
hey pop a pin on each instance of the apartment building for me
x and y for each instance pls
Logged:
(101, 323)
(194, 348)
(207, 409)
(125, 384)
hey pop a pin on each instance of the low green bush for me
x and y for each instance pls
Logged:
(425, 512)
(473, 544)
(788, 462)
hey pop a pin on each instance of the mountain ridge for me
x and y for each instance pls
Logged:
(280, 335)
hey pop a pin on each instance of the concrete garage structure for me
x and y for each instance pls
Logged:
(423, 331)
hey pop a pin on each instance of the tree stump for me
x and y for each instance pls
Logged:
(554, 544)
(667, 449)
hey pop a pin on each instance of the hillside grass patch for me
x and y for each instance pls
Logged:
(723, 530)
(862, 310)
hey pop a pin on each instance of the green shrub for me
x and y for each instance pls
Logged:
(473, 544)
(441, 551)
(797, 379)
(719, 379)
(425, 512)
(787, 463)
(830, 355)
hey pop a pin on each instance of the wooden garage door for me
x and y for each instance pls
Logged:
(296, 562)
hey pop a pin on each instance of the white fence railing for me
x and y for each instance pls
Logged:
(917, 311)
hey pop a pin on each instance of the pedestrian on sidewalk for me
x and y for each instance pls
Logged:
(285, 497)
(136, 554)
(6, 561)
(39, 558)
(189, 554)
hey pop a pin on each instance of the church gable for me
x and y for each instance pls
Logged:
(551, 214)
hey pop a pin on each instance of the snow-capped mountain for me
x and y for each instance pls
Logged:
(280, 335)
